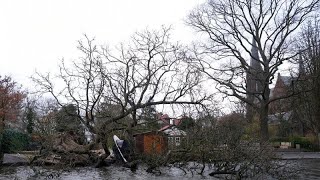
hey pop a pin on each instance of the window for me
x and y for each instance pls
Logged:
(177, 141)
(170, 140)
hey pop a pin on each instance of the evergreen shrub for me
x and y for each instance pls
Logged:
(13, 141)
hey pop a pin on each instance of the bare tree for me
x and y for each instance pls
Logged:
(82, 84)
(309, 68)
(149, 71)
(232, 28)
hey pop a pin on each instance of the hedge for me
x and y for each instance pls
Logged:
(13, 141)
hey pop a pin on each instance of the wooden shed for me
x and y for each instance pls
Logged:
(152, 142)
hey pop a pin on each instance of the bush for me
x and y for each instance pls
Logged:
(307, 143)
(303, 141)
(13, 141)
(279, 139)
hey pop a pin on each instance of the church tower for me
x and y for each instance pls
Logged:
(254, 85)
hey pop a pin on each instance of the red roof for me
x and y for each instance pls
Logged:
(165, 127)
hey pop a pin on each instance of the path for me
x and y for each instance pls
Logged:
(299, 155)
(15, 159)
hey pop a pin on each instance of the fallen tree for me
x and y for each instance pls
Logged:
(150, 71)
(62, 149)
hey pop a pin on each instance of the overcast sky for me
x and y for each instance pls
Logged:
(36, 34)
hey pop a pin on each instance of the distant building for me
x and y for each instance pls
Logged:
(151, 142)
(282, 95)
(283, 105)
(253, 81)
(168, 137)
(174, 134)
(283, 90)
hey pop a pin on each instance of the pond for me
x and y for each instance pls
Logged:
(310, 169)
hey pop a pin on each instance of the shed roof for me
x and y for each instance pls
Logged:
(173, 131)
(149, 132)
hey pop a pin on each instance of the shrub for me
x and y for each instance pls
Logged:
(13, 141)
(279, 139)
(303, 141)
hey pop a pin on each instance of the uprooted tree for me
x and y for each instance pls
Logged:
(232, 28)
(149, 71)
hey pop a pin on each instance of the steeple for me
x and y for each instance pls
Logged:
(254, 70)
(253, 82)
(254, 61)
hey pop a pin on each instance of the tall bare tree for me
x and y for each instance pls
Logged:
(308, 101)
(149, 71)
(232, 28)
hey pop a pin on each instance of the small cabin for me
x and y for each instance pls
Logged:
(152, 142)
(175, 137)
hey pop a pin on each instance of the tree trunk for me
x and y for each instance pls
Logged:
(1, 136)
(318, 136)
(264, 132)
(130, 132)
(264, 106)
(103, 139)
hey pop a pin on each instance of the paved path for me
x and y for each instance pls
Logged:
(15, 159)
(20, 159)
(299, 155)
